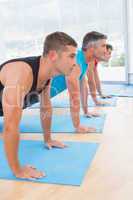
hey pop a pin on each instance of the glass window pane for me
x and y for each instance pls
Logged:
(24, 24)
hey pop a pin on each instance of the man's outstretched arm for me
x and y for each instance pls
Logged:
(74, 95)
(84, 99)
(15, 88)
(12, 99)
(97, 81)
(46, 119)
(91, 82)
(84, 95)
(98, 85)
(12, 115)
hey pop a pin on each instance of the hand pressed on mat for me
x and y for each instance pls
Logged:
(92, 114)
(103, 96)
(101, 103)
(84, 129)
(29, 172)
(55, 144)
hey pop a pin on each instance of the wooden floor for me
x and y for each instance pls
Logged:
(110, 176)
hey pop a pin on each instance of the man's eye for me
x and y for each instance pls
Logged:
(72, 56)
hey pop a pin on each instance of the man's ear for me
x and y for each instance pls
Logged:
(52, 55)
(91, 49)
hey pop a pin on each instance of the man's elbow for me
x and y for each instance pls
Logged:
(75, 101)
(46, 108)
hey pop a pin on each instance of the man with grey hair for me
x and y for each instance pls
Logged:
(93, 47)
(94, 78)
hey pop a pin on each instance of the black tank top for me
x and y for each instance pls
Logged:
(34, 62)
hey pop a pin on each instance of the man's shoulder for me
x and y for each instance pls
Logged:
(79, 56)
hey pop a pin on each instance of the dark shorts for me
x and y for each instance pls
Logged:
(27, 103)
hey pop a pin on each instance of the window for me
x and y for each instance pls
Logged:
(24, 25)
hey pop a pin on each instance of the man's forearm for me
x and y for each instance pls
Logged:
(11, 142)
(74, 95)
(98, 83)
(46, 118)
(75, 110)
(12, 116)
(91, 83)
(99, 88)
(92, 87)
(84, 95)
(11, 136)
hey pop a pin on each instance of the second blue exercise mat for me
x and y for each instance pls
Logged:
(62, 101)
(60, 123)
(120, 90)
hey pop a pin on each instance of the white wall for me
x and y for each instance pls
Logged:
(130, 39)
(24, 25)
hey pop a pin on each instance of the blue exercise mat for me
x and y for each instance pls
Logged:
(120, 90)
(60, 123)
(62, 101)
(62, 166)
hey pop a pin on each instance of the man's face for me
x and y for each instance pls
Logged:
(107, 55)
(99, 49)
(66, 60)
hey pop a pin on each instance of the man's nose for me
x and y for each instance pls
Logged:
(74, 65)
(74, 61)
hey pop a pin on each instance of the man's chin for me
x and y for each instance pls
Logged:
(69, 73)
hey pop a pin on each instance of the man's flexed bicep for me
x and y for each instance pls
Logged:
(12, 102)
(17, 84)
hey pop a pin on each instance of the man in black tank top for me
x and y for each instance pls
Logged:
(32, 96)
(21, 80)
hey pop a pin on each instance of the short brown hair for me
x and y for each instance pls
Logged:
(57, 41)
(92, 37)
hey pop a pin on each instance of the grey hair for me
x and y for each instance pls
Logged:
(91, 39)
